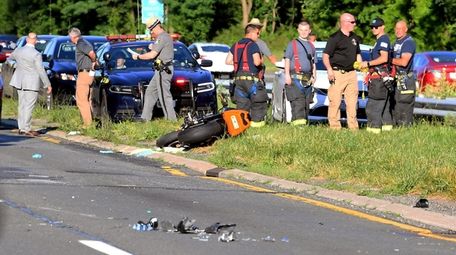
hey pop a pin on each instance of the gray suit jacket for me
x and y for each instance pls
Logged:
(29, 74)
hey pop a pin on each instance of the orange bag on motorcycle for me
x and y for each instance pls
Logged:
(237, 121)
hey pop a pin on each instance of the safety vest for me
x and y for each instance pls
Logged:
(245, 63)
(296, 56)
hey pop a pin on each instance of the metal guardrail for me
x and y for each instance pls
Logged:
(435, 107)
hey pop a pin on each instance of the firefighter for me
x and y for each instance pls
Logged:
(404, 97)
(250, 92)
(300, 73)
(379, 80)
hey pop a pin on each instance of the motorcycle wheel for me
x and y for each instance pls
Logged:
(168, 140)
(202, 134)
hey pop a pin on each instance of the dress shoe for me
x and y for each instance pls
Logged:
(30, 133)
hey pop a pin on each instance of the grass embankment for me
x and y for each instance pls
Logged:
(418, 160)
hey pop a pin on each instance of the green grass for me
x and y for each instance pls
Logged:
(418, 160)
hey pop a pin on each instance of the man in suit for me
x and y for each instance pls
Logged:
(27, 78)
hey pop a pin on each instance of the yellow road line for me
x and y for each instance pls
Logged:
(173, 171)
(417, 230)
(49, 139)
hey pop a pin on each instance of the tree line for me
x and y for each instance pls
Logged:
(432, 23)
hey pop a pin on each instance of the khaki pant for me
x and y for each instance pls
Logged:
(345, 84)
(83, 84)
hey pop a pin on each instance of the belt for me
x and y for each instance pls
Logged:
(342, 71)
(83, 70)
(246, 78)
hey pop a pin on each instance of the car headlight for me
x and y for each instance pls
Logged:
(119, 89)
(204, 87)
(67, 77)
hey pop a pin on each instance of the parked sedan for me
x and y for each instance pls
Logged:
(432, 66)
(281, 109)
(121, 82)
(216, 52)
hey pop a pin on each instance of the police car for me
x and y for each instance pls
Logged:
(121, 82)
(281, 109)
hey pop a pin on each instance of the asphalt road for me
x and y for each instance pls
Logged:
(76, 200)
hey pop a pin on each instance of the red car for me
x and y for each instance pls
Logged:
(432, 66)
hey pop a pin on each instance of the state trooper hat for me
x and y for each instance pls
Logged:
(152, 22)
(377, 22)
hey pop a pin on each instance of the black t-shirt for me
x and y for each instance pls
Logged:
(251, 49)
(342, 50)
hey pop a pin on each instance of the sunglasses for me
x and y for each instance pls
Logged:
(351, 21)
(375, 27)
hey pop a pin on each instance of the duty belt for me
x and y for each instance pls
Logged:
(342, 71)
(301, 77)
(247, 78)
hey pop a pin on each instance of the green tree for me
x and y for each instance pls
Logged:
(191, 18)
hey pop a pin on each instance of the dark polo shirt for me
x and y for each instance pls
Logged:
(342, 50)
(83, 60)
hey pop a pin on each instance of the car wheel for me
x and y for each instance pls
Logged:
(168, 140)
(202, 134)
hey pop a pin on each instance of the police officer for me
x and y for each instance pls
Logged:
(341, 52)
(250, 92)
(379, 81)
(404, 98)
(300, 73)
(162, 52)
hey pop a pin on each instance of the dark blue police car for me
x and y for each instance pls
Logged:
(121, 81)
(60, 64)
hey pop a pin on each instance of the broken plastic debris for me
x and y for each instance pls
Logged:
(227, 237)
(149, 226)
(202, 237)
(186, 226)
(268, 239)
(143, 153)
(37, 156)
(106, 151)
(74, 133)
(216, 227)
(285, 239)
(422, 203)
(167, 226)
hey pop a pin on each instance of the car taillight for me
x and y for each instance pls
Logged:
(182, 84)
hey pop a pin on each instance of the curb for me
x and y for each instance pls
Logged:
(420, 215)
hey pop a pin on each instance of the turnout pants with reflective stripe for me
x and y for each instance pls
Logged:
(378, 108)
(404, 102)
(345, 84)
(159, 90)
(250, 99)
(299, 100)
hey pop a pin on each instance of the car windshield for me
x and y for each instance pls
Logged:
(443, 58)
(41, 44)
(66, 51)
(121, 57)
(218, 48)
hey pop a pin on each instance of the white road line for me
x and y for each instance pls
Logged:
(104, 247)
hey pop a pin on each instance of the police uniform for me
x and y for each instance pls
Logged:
(301, 54)
(160, 86)
(250, 92)
(378, 108)
(342, 51)
(404, 95)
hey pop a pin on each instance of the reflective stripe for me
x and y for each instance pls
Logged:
(299, 122)
(410, 91)
(247, 78)
(374, 130)
(387, 127)
(256, 124)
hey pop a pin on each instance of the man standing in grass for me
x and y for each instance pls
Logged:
(378, 107)
(250, 92)
(300, 73)
(341, 52)
(404, 98)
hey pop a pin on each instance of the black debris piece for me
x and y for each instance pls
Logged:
(422, 203)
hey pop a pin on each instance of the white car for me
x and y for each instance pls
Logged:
(216, 52)
(281, 109)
